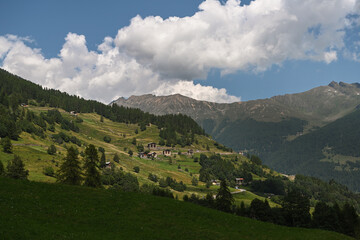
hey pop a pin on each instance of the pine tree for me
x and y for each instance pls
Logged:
(194, 181)
(350, 220)
(102, 160)
(101, 118)
(325, 217)
(92, 174)
(16, 168)
(70, 170)
(296, 208)
(116, 158)
(224, 198)
(6, 143)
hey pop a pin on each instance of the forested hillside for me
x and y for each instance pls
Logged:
(329, 152)
(15, 91)
(282, 129)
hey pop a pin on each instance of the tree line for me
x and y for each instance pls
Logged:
(294, 211)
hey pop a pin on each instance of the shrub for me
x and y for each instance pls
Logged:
(152, 177)
(137, 169)
(51, 150)
(49, 171)
(7, 146)
(78, 120)
(116, 158)
(194, 181)
(107, 139)
(130, 152)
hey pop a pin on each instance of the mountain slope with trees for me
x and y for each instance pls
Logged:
(79, 148)
(270, 127)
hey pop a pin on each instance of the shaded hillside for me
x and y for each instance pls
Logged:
(329, 152)
(256, 136)
(30, 210)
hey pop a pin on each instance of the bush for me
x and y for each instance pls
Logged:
(119, 180)
(137, 169)
(116, 158)
(7, 146)
(194, 181)
(130, 152)
(51, 150)
(51, 128)
(78, 120)
(49, 171)
(32, 103)
(163, 183)
(162, 192)
(152, 177)
(177, 186)
(140, 148)
(107, 139)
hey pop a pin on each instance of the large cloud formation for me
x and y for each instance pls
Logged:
(164, 56)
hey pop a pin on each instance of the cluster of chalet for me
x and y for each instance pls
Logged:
(238, 182)
(152, 145)
(147, 155)
(166, 152)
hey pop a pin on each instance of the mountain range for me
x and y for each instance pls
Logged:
(280, 129)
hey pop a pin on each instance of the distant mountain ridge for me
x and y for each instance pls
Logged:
(267, 126)
(315, 104)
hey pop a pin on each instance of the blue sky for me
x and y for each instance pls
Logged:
(56, 44)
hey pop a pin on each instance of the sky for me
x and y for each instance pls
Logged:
(220, 51)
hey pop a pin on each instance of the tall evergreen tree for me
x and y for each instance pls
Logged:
(350, 220)
(102, 160)
(92, 174)
(70, 170)
(325, 217)
(224, 198)
(16, 168)
(296, 208)
(260, 210)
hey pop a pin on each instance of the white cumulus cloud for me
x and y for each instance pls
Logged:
(233, 37)
(189, 89)
(164, 56)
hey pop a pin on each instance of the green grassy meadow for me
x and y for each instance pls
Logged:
(33, 151)
(33, 210)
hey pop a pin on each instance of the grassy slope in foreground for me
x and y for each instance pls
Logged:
(30, 210)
